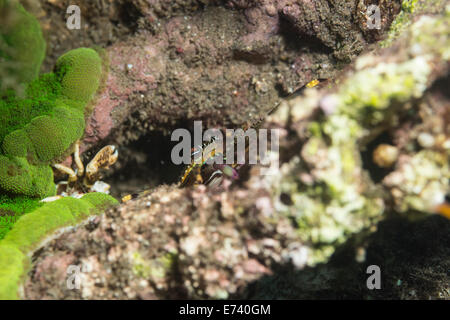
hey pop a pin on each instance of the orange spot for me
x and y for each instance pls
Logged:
(444, 209)
(127, 198)
(313, 83)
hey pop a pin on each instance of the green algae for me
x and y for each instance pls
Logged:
(410, 9)
(337, 199)
(39, 124)
(31, 229)
(22, 46)
(12, 209)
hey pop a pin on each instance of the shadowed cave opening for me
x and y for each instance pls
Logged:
(376, 173)
(144, 164)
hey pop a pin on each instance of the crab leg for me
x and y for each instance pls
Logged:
(198, 177)
(66, 170)
(77, 159)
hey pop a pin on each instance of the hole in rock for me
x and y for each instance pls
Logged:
(144, 164)
(377, 173)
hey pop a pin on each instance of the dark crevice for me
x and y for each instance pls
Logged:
(144, 164)
(296, 43)
(129, 16)
(376, 173)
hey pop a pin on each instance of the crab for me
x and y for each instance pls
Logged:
(200, 172)
(84, 180)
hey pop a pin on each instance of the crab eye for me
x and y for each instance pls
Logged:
(227, 170)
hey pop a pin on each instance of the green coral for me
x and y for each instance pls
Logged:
(46, 125)
(39, 99)
(19, 177)
(33, 228)
(80, 71)
(46, 138)
(41, 125)
(22, 46)
(12, 209)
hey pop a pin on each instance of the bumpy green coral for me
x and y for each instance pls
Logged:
(22, 47)
(39, 124)
(32, 228)
(40, 128)
(19, 177)
(39, 99)
(12, 209)
(19, 205)
(80, 71)
(46, 137)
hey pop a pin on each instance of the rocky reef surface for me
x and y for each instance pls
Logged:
(364, 157)
(225, 62)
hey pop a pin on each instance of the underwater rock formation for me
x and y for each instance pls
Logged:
(33, 228)
(202, 242)
(226, 62)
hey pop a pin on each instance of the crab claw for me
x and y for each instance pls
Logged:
(66, 170)
(105, 158)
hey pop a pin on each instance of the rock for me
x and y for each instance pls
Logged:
(308, 230)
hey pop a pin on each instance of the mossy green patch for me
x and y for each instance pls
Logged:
(12, 209)
(12, 266)
(18, 177)
(39, 125)
(31, 229)
(22, 46)
(80, 72)
(40, 128)
(39, 100)
(410, 9)
(40, 119)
